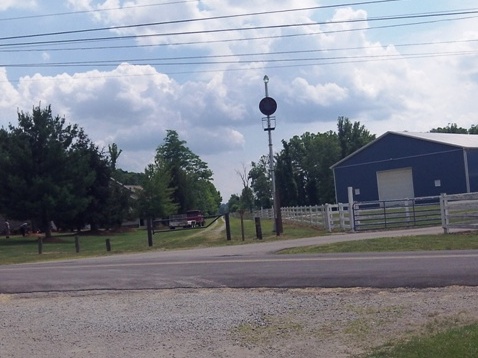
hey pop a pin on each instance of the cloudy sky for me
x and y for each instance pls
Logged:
(127, 71)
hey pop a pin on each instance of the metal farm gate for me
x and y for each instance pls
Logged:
(397, 214)
(448, 211)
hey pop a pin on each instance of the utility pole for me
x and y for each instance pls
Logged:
(268, 106)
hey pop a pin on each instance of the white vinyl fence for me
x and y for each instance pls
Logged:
(329, 217)
(451, 211)
(459, 211)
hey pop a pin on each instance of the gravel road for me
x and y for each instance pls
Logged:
(224, 322)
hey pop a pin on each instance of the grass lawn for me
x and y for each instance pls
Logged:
(457, 241)
(457, 342)
(18, 249)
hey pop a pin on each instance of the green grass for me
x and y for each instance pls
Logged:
(19, 249)
(458, 241)
(456, 342)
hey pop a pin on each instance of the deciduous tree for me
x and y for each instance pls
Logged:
(351, 136)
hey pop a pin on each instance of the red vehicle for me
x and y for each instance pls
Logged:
(196, 216)
(192, 218)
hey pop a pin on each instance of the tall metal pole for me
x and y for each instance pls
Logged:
(271, 159)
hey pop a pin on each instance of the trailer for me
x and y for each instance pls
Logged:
(192, 219)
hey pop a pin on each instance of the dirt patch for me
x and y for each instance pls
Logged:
(226, 323)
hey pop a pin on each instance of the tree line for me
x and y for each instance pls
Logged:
(52, 172)
(302, 167)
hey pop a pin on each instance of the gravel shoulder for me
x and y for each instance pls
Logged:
(225, 322)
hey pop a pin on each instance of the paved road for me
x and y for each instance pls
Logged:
(252, 265)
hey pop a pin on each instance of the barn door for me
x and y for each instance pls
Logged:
(395, 184)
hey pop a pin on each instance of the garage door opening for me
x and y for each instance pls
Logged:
(395, 184)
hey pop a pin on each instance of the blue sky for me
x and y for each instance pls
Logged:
(392, 65)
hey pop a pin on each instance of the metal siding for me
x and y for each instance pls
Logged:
(473, 169)
(447, 167)
(364, 180)
(429, 162)
(393, 146)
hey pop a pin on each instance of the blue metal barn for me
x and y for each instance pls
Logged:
(400, 165)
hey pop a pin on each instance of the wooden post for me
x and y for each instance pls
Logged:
(241, 212)
(228, 227)
(278, 217)
(108, 245)
(258, 228)
(149, 224)
(77, 244)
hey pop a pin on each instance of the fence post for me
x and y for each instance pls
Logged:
(350, 192)
(320, 214)
(341, 216)
(228, 227)
(149, 226)
(258, 228)
(445, 220)
(331, 217)
(328, 224)
(407, 212)
(108, 245)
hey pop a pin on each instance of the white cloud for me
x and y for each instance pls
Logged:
(8, 95)
(12, 4)
(217, 112)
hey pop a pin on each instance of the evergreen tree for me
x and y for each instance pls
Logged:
(190, 177)
(46, 175)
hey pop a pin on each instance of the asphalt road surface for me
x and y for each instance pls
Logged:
(250, 266)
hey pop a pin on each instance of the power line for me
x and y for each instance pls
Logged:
(257, 66)
(79, 12)
(163, 62)
(261, 38)
(175, 22)
(263, 60)
(268, 27)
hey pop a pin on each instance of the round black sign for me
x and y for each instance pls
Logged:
(268, 106)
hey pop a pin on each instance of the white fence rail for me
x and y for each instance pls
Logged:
(329, 217)
(459, 211)
(456, 211)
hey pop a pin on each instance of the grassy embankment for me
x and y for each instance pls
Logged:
(18, 249)
(457, 241)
